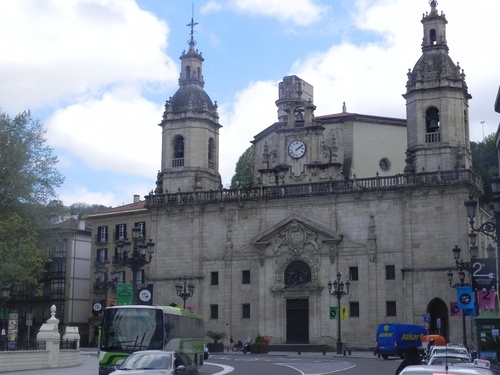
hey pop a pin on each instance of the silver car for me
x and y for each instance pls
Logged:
(157, 362)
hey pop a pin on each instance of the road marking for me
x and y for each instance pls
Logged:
(225, 369)
(316, 368)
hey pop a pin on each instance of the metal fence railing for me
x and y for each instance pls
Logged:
(68, 345)
(25, 345)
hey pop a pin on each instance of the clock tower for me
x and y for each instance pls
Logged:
(296, 149)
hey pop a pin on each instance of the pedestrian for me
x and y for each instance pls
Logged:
(412, 358)
(267, 340)
(231, 343)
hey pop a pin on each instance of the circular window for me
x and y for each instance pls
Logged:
(384, 164)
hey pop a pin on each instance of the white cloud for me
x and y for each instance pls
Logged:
(299, 12)
(253, 111)
(117, 132)
(60, 48)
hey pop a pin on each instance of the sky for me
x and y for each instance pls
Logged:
(97, 73)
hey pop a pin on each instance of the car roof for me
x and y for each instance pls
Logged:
(441, 370)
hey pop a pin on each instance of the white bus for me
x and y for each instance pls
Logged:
(130, 328)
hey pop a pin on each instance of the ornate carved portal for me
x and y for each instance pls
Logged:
(296, 237)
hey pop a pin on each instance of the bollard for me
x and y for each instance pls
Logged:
(344, 352)
(324, 352)
(298, 352)
(350, 352)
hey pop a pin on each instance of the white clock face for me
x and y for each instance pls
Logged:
(297, 149)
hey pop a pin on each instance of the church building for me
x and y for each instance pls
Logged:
(378, 201)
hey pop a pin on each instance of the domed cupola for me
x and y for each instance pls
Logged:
(190, 131)
(191, 95)
(436, 104)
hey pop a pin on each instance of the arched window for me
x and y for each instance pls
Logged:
(297, 275)
(188, 72)
(432, 36)
(199, 73)
(432, 120)
(299, 114)
(178, 147)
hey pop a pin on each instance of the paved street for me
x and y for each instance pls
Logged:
(278, 363)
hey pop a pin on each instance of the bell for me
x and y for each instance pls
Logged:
(433, 126)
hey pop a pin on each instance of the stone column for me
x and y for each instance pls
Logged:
(50, 334)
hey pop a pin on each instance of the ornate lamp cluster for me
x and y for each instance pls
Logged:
(135, 255)
(103, 282)
(184, 290)
(337, 289)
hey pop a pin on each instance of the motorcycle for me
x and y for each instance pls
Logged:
(246, 348)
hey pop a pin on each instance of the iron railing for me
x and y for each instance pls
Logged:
(32, 345)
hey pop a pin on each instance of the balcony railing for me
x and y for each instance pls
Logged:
(332, 187)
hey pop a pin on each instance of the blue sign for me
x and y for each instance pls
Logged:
(426, 318)
(465, 298)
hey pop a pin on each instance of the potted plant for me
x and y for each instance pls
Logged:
(259, 346)
(215, 346)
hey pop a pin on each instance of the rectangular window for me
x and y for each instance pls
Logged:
(245, 277)
(390, 272)
(353, 309)
(390, 308)
(120, 232)
(214, 278)
(142, 229)
(214, 311)
(120, 277)
(245, 311)
(102, 234)
(102, 255)
(353, 274)
(140, 277)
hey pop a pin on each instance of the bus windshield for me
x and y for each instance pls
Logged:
(132, 329)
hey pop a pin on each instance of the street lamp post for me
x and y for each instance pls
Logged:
(462, 266)
(141, 254)
(337, 289)
(489, 228)
(184, 290)
(103, 282)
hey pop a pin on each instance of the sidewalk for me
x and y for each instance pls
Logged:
(354, 354)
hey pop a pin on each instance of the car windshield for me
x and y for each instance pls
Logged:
(449, 360)
(149, 361)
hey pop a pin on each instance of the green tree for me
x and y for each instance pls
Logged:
(84, 209)
(22, 261)
(244, 170)
(27, 166)
(485, 164)
(28, 179)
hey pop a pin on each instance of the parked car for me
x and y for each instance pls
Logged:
(448, 358)
(206, 353)
(478, 367)
(157, 362)
(447, 349)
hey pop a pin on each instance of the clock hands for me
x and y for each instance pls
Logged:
(298, 148)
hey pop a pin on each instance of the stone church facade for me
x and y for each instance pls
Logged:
(378, 199)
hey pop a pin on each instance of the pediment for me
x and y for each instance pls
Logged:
(296, 234)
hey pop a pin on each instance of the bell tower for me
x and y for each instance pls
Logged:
(437, 106)
(190, 131)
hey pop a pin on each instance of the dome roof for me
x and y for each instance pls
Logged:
(191, 96)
